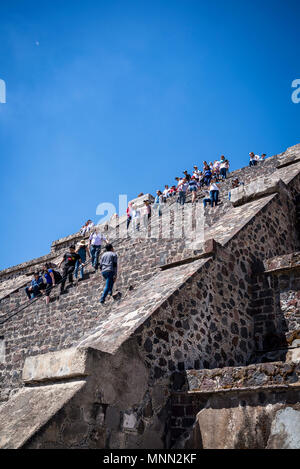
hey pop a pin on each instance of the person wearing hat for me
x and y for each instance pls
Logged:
(83, 252)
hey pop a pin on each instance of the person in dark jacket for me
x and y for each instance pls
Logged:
(108, 267)
(69, 261)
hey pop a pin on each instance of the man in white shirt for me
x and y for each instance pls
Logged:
(224, 165)
(196, 173)
(214, 193)
(253, 159)
(95, 242)
(165, 193)
(182, 188)
(136, 216)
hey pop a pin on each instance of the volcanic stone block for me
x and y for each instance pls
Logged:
(258, 188)
(31, 408)
(57, 365)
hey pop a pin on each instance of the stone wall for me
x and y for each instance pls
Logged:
(41, 329)
(277, 319)
(113, 407)
(210, 321)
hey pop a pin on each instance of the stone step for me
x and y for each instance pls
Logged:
(289, 354)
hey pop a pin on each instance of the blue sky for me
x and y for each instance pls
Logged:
(120, 96)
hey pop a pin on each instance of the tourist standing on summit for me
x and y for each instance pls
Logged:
(224, 166)
(182, 188)
(95, 242)
(108, 267)
(157, 202)
(129, 214)
(146, 213)
(136, 218)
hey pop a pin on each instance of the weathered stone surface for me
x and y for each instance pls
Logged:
(255, 189)
(282, 263)
(67, 363)
(290, 156)
(113, 418)
(233, 427)
(246, 377)
(265, 186)
(30, 409)
(126, 318)
(285, 430)
(139, 201)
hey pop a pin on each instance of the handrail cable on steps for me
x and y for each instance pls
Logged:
(40, 295)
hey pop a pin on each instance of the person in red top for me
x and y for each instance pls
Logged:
(129, 214)
(172, 191)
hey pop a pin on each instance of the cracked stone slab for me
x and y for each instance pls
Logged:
(285, 431)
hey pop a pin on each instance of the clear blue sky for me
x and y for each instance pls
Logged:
(108, 97)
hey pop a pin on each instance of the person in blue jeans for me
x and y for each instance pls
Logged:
(108, 267)
(158, 202)
(182, 188)
(206, 199)
(36, 285)
(214, 193)
(95, 242)
(83, 253)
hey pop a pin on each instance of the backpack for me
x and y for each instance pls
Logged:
(57, 276)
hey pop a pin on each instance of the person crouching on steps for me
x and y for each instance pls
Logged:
(69, 260)
(108, 267)
(36, 285)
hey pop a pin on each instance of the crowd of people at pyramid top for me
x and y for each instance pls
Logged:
(206, 179)
(75, 259)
